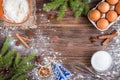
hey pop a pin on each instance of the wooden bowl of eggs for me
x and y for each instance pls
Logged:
(105, 14)
(15, 11)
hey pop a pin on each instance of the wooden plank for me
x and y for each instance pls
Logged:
(74, 34)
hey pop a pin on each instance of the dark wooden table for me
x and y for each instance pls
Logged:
(74, 34)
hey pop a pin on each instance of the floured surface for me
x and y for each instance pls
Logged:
(40, 45)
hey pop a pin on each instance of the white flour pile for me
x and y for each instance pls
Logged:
(16, 10)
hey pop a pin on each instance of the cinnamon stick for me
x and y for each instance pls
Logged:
(24, 43)
(26, 39)
(105, 41)
(113, 34)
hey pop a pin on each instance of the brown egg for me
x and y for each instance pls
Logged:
(94, 15)
(111, 16)
(103, 7)
(112, 2)
(102, 24)
(117, 8)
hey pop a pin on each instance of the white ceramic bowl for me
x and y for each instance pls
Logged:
(101, 61)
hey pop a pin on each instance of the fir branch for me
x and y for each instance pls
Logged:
(23, 69)
(87, 1)
(74, 4)
(1, 77)
(15, 76)
(5, 46)
(22, 77)
(62, 10)
(17, 60)
(80, 10)
(8, 58)
(86, 7)
(28, 66)
(12, 65)
(53, 5)
(27, 59)
(1, 61)
(77, 6)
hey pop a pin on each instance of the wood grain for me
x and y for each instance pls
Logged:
(74, 34)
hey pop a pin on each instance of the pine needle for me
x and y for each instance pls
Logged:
(1, 61)
(53, 5)
(62, 10)
(74, 4)
(86, 7)
(80, 10)
(15, 76)
(1, 77)
(23, 68)
(16, 65)
(8, 58)
(5, 46)
(22, 77)
(27, 59)
(77, 6)
(17, 60)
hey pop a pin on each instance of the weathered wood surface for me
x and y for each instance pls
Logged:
(74, 34)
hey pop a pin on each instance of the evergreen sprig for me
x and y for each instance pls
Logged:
(77, 6)
(14, 66)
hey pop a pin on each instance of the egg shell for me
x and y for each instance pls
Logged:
(111, 16)
(117, 7)
(103, 16)
(102, 24)
(94, 15)
(103, 7)
(112, 2)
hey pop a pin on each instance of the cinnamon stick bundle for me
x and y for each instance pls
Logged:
(24, 43)
(113, 34)
(106, 38)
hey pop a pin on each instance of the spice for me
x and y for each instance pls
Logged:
(38, 59)
(105, 41)
(26, 39)
(44, 71)
(24, 43)
(51, 16)
(113, 34)
(106, 38)
(17, 43)
(101, 61)
(16, 10)
(93, 39)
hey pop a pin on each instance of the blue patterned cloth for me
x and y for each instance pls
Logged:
(61, 72)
